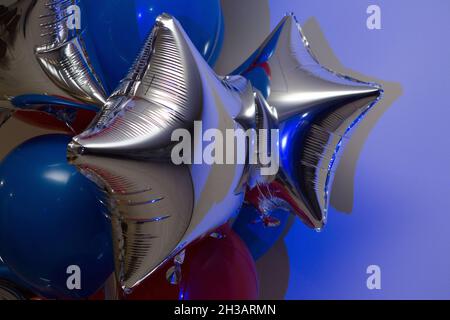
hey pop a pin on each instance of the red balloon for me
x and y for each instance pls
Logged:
(216, 267)
(49, 122)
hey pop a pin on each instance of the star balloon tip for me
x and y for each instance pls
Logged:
(377, 90)
(290, 16)
(164, 18)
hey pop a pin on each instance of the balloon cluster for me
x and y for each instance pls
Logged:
(105, 212)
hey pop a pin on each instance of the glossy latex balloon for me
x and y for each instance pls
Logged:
(52, 217)
(159, 207)
(316, 109)
(117, 29)
(216, 267)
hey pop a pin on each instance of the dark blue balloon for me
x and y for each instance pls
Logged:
(259, 238)
(52, 217)
(115, 30)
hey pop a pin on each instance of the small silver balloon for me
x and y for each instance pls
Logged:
(316, 109)
(159, 207)
(42, 59)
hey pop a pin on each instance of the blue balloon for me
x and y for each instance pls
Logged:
(259, 238)
(51, 218)
(115, 30)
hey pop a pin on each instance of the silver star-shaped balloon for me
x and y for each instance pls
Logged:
(316, 108)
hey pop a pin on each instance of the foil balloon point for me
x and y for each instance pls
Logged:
(316, 109)
(159, 207)
(61, 53)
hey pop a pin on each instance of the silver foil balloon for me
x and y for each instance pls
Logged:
(316, 108)
(159, 207)
(43, 59)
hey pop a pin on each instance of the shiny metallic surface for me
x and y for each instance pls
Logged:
(151, 101)
(62, 56)
(159, 207)
(149, 212)
(41, 55)
(316, 108)
(266, 120)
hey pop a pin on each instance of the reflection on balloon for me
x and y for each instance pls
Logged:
(51, 218)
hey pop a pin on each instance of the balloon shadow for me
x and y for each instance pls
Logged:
(247, 24)
(342, 194)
